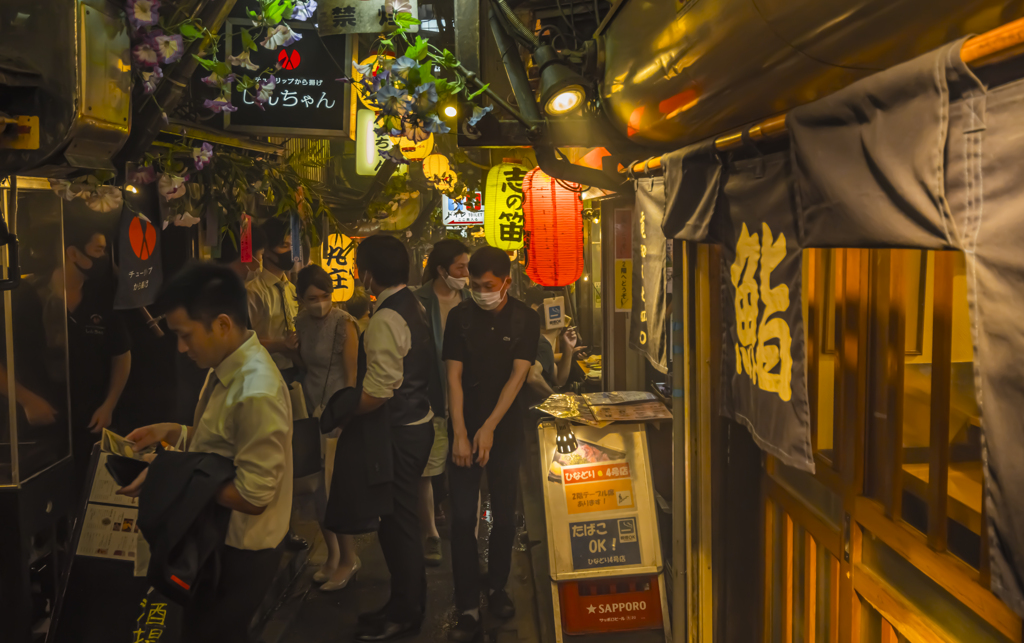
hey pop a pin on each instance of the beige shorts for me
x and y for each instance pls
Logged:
(439, 452)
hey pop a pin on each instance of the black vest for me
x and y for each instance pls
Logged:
(421, 387)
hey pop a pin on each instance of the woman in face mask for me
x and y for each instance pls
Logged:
(329, 351)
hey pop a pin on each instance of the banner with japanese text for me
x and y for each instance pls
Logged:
(649, 300)
(360, 16)
(339, 261)
(139, 270)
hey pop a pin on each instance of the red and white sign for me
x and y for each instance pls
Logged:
(595, 473)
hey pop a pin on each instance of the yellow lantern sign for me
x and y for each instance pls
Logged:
(339, 261)
(411, 149)
(366, 100)
(503, 206)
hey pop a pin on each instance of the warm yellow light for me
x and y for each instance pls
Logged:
(131, 188)
(564, 101)
(450, 111)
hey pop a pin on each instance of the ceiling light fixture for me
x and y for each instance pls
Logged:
(450, 111)
(561, 89)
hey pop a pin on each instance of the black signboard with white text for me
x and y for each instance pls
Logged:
(605, 543)
(308, 99)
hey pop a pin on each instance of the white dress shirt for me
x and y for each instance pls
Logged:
(245, 414)
(271, 312)
(387, 341)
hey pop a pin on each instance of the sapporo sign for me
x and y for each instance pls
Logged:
(308, 99)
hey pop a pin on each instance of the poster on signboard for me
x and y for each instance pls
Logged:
(139, 270)
(465, 211)
(339, 261)
(360, 16)
(308, 100)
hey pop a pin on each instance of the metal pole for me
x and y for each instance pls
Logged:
(680, 488)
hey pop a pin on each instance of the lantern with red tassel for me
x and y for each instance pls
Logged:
(553, 214)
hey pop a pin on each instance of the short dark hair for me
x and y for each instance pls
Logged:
(206, 291)
(443, 255)
(231, 248)
(358, 305)
(385, 257)
(535, 296)
(313, 275)
(490, 259)
(275, 230)
(79, 231)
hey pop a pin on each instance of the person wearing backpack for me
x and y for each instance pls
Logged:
(490, 344)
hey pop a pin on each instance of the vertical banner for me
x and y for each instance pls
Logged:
(623, 261)
(245, 240)
(369, 144)
(140, 273)
(339, 258)
(647, 323)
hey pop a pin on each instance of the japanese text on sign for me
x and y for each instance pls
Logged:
(769, 365)
(151, 623)
(510, 215)
(358, 16)
(339, 263)
(596, 488)
(467, 211)
(605, 543)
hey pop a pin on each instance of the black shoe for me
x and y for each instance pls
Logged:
(466, 630)
(295, 543)
(387, 631)
(500, 605)
(373, 619)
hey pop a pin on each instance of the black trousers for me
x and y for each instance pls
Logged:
(223, 614)
(464, 488)
(399, 532)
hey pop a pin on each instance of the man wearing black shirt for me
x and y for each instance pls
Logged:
(489, 346)
(99, 358)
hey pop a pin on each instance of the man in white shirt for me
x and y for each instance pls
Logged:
(273, 302)
(401, 375)
(244, 413)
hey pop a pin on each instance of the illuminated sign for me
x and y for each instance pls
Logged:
(339, 261)
(466, 211)
(369, 144)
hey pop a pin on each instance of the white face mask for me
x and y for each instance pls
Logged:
(455, 283)
(319, 309)
(488, 300)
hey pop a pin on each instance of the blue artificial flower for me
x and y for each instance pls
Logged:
(415, 130)
(479, 113)
(364, 70)
(393, 101)
(304, 10)
(403, 66)
(395, 154)
(436, 126)
(426, 98)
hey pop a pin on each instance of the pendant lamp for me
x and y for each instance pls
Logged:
(503, 206)
(554, 230)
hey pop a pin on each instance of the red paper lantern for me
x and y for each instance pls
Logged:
(553, 216)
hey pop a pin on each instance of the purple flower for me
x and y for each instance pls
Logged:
(170, 48)
(172, 186)
(219, 105)
(398, 6)
(403, 66)
(142, 175)
(243, 61)
(479, 113)
(416, 130)
(213, 80)
(151, 80)
(426, 98)
(364, 70)
(202, 155)
(393, 101)
(143, 13)
(303, 10)
(144, 54)
(280, 36)
(436, 126)
(264, 90)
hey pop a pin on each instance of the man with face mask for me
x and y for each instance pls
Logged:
(99, 359)
(273, 302)
(490, 344)
(444, 287)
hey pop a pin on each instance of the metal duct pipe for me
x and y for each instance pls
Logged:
(148, 121)
(518, 26)
(546, 157)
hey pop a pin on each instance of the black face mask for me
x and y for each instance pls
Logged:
(282, 260)
(100, 268)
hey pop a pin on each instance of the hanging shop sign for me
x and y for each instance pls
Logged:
(369, 144)
(649, 302)
(140, 272)
(412, 150)
(623, 260)
(553, 218)
(372, 62)
(464, 211)
(307, 101)
(503, 206)
(359, 16)
(339, 261)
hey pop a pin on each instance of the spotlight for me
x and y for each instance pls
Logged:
(561, 89)
(566, 440)
(131, 188)
(450, 111)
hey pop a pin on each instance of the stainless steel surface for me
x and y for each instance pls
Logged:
(674, 78)
(34, 357)
(631, 439)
